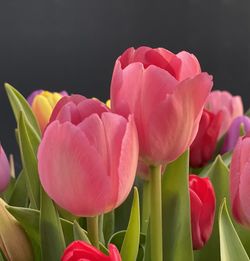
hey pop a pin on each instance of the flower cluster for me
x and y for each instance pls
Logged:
(184, 147)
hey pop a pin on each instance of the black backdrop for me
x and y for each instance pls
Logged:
(72, 44)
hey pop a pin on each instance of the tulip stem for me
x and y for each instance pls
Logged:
(92, 228)
(145, 206)
(156, 214)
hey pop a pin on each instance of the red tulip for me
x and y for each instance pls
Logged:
(204, 144)
(148, 83)
(240, 181)
(231, 107)
(4, 170)
(88, 156)
(202, 203)
(80, 251)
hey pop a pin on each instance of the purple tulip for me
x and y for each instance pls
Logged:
(4, 170)
(31, 97)
(233, 133)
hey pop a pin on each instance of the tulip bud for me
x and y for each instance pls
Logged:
(231, 107)
(204, 144)
(239, 125)
(160, 89)
(13, 240)
(87, 152)
(43, 103)
(202, 203)
(4, 170)
(240, 180)
(80, 250)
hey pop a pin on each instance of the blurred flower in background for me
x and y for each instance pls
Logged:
(231, 107)
(42, 104)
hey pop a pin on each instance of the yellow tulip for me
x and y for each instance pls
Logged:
(108, 103)
(43, 105)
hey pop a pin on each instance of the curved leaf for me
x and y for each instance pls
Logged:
(19, 104)
(231, 248)
(130, 245)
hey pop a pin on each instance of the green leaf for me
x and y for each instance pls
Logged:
(52, 238)
(118, 238)
(18, 197)
(29, 141)
(20, 104)
(231, 248)
(130, 245)
(29, 220)
(177, 238)
(67, 228)
(79, 233)
(218, 174)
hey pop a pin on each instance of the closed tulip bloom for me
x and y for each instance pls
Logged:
(149, 83)
(80, 250)
(234, 132)
(14, 242)
(240, 181)
(231, 107)
(204, 144)
(202, 203)
(43, 103)
(88, 156)
(4, 170)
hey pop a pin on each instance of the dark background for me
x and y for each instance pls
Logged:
(72, 44)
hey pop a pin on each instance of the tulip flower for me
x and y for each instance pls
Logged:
(43, 103)
(204, 144)
(239, 181)
(202, 204)
(80, 250)
(231, 107)
(4, 170)
(234, 132)
(166, 93)
(88, 156)
(14, 243)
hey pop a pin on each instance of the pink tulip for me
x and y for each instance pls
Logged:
(4, 170)
(147, 83)
(202, 203)
(240, 181)
(231, 107)
(81, 251)
(88, 156)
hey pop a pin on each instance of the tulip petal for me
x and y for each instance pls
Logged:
(71, 171)
(42, 109)
(195, 206)
(90, 106)
(165, 135)
(69, 112)
(73, 98)
(190, 66)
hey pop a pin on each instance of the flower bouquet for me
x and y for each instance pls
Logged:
(159, 172)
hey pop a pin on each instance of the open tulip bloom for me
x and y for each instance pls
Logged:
(74, 199)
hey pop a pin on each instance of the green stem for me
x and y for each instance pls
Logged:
(156, 214)
(92, 228)
(145, 206)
